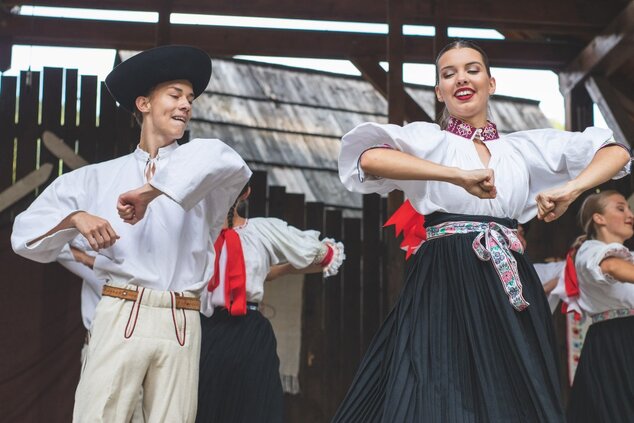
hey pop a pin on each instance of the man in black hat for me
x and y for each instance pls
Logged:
(157, 260)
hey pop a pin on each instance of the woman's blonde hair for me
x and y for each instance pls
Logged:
(594, 203)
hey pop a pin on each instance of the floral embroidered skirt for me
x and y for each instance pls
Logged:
(454, 349)
(603, 389)
(239, 370)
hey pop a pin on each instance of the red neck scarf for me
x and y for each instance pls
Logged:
(235, 273)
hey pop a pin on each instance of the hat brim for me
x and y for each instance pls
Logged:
(139, 74)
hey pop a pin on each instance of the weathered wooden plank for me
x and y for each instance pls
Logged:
(351, 299)
(7, 123)
(51, 112)
(332, 313)
(371, 281)
(88, 118)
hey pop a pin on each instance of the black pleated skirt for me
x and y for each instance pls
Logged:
(603, 389)
(239, 370)
(453, 349)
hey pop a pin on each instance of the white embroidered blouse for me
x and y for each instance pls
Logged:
(525, 163)
(599, 292)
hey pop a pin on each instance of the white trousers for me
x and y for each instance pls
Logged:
(146, 345)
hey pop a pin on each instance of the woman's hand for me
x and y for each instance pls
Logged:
(478, 182)
(552, 203)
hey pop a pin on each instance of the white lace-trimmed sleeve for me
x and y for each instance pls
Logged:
(420, 139)
(592, 253)
(297, 247)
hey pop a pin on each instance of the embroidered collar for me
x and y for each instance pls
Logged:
(461, 128)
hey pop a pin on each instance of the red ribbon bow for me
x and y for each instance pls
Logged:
(235, 272)
(407, 220)
(570, 282)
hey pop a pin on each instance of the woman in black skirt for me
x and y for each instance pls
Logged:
(239, 367)
(470, 338)
(603, 388)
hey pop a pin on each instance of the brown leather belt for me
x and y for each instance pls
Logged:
(188, 303)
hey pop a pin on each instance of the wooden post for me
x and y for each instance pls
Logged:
(351, 300)
(371, 275)
(396, 115)
(332, 320)
(163, 30)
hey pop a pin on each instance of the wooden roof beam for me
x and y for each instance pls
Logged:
(609, 102)
(605, 53)
(563, 16)
(375, 75)
(231, 41)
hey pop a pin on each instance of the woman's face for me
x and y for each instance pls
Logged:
(617, 218)
(464, 85)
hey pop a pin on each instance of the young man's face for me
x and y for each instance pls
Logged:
(168, 108)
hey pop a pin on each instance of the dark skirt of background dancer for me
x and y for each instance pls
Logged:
(239, 370)
(603, 389)
(453, 349)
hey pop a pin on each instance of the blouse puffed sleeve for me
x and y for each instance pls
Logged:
(60, 199)
(555, 157)
(200, 169)
(592, 253)
(420, 139)
(299, 248)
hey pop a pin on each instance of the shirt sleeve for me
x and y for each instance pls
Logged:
(203, 168)
(589, 259)
(289, 244)
(555, 157)
(420, 139)
(60, 199)
(67, 260)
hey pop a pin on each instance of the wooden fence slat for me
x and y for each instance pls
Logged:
(332, 311)
(386, 305)
(277, 195)
(70, 131)
(27, 131)
(8, 94)
(371, 274)
(312, 373)
(88, 118)
(51, 114)
(294, 210)
(257, 199)
(351, 299)
(107, 130)
(127, 132)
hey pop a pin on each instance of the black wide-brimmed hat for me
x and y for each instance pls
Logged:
(140, 73)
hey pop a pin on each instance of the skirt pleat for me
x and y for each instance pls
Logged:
(453, 349)
(603, 389)
(239, 370)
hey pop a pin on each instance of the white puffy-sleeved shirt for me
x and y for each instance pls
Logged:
(599, 292)
(171, 248)
(265, 243)
(546, 273)
(525, 163)
(91, 286)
